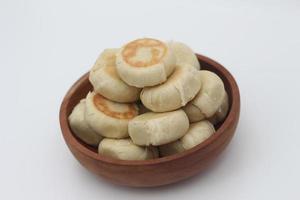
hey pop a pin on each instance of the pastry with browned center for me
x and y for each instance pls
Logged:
(145, 62)
(107, 118)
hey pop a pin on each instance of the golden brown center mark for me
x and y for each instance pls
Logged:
(155, 47)
(100, 103)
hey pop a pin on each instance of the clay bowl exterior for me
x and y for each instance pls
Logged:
(159, 171)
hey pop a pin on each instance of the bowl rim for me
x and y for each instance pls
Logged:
(70, 139)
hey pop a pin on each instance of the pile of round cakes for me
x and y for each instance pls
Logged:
(150, 100)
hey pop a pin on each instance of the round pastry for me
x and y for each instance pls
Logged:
(106, 81)
(145, 62)
(184, 54)
(106, 58)
(124, 149)
(197, 133)
(158, 128)
(180, 88)
(107, 118)
(221, 112)
(80, 127)
(209, 98)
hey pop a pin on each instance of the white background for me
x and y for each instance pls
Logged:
(46, 45)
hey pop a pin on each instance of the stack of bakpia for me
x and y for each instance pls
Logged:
(150, 99)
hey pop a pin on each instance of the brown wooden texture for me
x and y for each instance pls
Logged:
(160, 171)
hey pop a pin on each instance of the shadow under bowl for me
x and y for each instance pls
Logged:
(161, 171)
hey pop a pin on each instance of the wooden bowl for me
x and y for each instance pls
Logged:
(159, 171)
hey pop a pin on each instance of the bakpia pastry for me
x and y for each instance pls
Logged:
(106, 57)
(221, 112)
(145, 62)
(106, 81)
(209, 98)
(197, 133)
(180, 88)
(124, 149)
(184, 54)
(80, 127)
(107, 118)
(158, 128)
